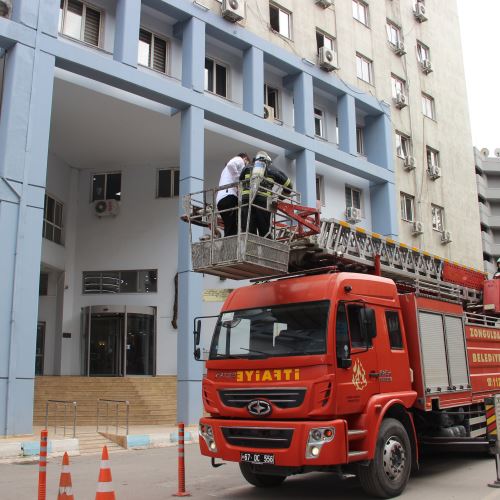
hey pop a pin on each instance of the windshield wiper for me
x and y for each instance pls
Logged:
(265, 354)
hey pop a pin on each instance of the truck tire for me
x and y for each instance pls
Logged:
(387, 474)
(260, 480)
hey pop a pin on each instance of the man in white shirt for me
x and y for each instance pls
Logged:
(227, 199)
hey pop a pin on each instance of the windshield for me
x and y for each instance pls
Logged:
(285, 330)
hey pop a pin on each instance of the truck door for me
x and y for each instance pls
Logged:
(356, 355)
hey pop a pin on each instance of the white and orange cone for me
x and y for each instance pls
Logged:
(65, 486)
(105, 489)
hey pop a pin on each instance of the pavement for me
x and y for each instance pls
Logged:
(152, 474)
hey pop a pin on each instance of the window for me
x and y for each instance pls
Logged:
(133, 281)
(320, 190)
(403, 145)
(106, 186)
(437, 218)
(280, 20)
(167, 183)
(364, 68)
(352, 197)
(215, 77)
(52, 220)
(358, 326)
(397, 86)
(152, 51)
(360, 145)
(323, 40)
(394, 329)
(423, 52)
(318, 123)
(79, 20)
(360, 11)
(407, 207)
(428, 106)
(393, 33)
(271, 98)
(43, 285)
(432, 158)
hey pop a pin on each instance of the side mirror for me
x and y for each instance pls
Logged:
(197, 354)
(197, 331)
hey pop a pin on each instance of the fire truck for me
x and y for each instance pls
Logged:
(347, 353)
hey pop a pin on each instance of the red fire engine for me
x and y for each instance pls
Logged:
(335, 367)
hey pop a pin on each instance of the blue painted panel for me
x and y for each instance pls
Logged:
(346, 115)
(305, 174)
(128, 18)
(193, 55)
(26, 12)
(384, 209)
(32, 448)
(253, 81)
(378, 140)
(303, 104)
(20, 408)
(136, 440)
(174, 436)
(49, 17)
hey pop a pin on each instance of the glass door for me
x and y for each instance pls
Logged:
(140, 344)
(40, 348)
(106, 344)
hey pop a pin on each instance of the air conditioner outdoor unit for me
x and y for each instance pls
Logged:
(399, 48)
(327, 59)
(426, 66)
(417, 227)
(105, 208)
(268, 113)
(353, 214)
(420, 12)
(400, 100)
(434, 172)
(409, 162)
(324, 3)
(233, 10)
(5, 8)
(445, 237)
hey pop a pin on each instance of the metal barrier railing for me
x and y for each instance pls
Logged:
(57, 404)
(116, 413)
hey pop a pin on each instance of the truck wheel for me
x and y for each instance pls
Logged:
(387, 474)
(260, 480)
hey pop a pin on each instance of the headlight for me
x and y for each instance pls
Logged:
(317, 438)
(207, 433)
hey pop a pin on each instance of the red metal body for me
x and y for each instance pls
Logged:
(354, 400)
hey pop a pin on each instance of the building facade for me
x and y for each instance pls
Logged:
(112, 109)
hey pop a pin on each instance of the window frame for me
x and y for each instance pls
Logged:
(437, 224)
(325, 36)
(92, 175)
(392, 340)
(174, 185)
(216, 62)
(319, 118)
(167, 51)
(403, 139)
(351, 190)
(118, 272)
(320, 189)
(428, 106)
(85, 4)
(360, 61)
(395, 80)
(404, 198)
(52, 223)
(429, 153)
(277, 108)
(360, 6)
(281, 10)
(392, 27)
(423, 50)
(360, 141)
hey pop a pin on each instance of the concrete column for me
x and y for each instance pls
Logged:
(193, 54)
(306, 177)
(346, 115)
(189, 371)
(128, 20)
(378, 140)
(26, 12)
(384, 208)
(253, 81)
(24, 136)
(303, 102)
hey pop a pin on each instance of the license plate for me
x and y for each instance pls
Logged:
(257, 458)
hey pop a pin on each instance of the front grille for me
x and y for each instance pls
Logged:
(258, 437)
(282, 398)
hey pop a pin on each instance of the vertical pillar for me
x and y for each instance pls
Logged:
(253, 81)
(189, 371)
(128, 19)
(193, 54)
(378, 140)
(303, 102)
(24, 136)
(305, 173)
(346, 115)
(26, 12)
(384, 209)
(48, 21)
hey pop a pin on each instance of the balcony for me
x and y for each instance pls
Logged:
(484, 214)
(481, 185)
(487, 241)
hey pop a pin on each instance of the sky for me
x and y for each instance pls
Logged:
(480, 29)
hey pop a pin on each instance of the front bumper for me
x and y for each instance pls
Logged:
(294, 455)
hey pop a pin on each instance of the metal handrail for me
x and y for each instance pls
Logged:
(117, 403)
(58, 402)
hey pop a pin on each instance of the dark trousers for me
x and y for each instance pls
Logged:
(260, 220)
(230, 218)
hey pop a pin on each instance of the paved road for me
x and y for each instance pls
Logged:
(152, 474)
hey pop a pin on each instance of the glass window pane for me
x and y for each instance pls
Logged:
(144, 56)
(395, 337)
(209, 75)
(356, 199)
(49, 232)
(320, 40)
(50, 209)
(220, 80)
(147, 281)
(57, 235)
(110, 282)
(58, 215)
(128, 282)
(43, 285)
(73, 19)
(164, 183)
(92, 25)
(176, 182)
(274, 18)
(284, 24)
(113, 187)
(98, 182)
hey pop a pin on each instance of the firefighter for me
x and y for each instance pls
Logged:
(259, 179)
(497, 274)
(227, 199)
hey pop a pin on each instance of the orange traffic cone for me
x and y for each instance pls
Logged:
(105, 484)
(65, 486)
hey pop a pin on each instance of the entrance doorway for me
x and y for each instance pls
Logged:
(119, 340)
(40, 347)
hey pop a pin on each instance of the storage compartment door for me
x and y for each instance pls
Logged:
(432, 346)
(457, 352)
